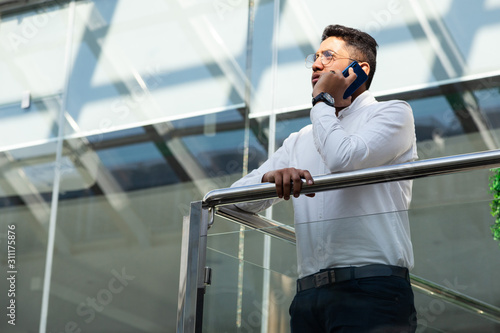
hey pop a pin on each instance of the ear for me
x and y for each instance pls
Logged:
(365, 66)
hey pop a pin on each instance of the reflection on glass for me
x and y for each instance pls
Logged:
(33, 45)
(442, 41)
(125, 71)
(122, 199)
(40, 118)
(26, 182)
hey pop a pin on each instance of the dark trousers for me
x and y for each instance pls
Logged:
(375, 304)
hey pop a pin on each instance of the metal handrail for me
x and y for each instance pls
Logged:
(397, 172)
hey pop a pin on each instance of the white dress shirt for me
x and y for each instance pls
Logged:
(359, 225)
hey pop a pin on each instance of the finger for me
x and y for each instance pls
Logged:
(307, 176)
(268, 177)
(286, 185)
(278, 181)
(347, 101)
(309, 181)
(352, 76)
(297, 183)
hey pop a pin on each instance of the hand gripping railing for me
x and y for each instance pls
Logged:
(194, 276)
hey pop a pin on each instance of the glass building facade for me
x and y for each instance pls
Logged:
(116, 114)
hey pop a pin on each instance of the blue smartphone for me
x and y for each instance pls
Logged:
(360, 79)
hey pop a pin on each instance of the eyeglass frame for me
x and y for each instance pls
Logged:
(309, 63)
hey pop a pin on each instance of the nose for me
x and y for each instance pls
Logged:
(318, 64)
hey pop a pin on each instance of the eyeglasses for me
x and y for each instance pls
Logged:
(326, 57)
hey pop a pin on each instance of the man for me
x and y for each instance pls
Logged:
(353, 245)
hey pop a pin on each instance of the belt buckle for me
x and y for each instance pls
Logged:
(324, 278)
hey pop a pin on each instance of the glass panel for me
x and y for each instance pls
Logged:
(125, 70)
(41, 119)
(458, 122)
(243, 292)
(453, 244)
(436, 315)
(441, 41)
(26, 182)
(33, 47)
(259, 132)
(465, 30)
(261, 71)
(453, 248)
(121, 205)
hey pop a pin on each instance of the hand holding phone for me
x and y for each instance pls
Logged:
(360, 79)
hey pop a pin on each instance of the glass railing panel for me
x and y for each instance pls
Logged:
(247, 289)
(452, 245)
(231, 308)
(234, 240)
(437, 315)
(454, 248)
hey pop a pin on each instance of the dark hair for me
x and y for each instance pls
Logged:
(363, 46)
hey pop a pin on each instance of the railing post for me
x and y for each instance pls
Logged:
(192, 282)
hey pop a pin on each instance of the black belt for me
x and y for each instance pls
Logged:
(334, 275)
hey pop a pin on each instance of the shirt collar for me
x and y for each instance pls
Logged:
(366, 98)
